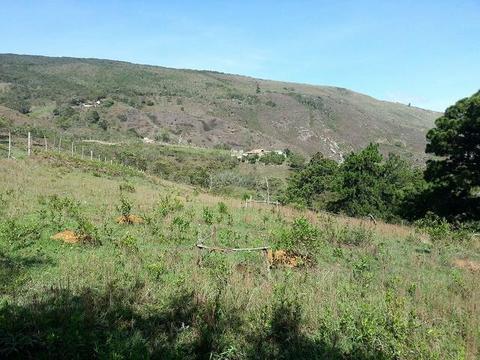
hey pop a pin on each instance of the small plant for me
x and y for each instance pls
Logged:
(86, 230)
(126, 187)
(181, 224)
(167, 205)
(157, 269)
(56, 211)
(129, 243)
(436, 227)
(222, 208)
(300, 237)
(207, 216)
(125, 207)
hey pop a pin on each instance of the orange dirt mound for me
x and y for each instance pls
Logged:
(67, 236)
(282, 257)
(129, 219)
(467, 264)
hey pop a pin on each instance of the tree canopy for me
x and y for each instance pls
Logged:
(364, 184)
(454, 173)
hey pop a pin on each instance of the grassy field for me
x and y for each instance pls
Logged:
(362, 291)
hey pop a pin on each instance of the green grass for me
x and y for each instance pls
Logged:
(146, 291)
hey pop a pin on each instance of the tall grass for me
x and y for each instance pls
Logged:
(145, 290)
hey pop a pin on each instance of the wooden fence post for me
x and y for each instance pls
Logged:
(268, 191)
(72, 148)
(91, 155)
(60, 144)
(83, 151)
(9, 145)
(29, 144)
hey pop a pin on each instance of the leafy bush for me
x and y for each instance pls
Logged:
(207, 216)
(125, 207)
(300, 237)
(168, 204)
(439, 229)
(92, 116)
(272, 158)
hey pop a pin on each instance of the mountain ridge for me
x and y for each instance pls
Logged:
(210, 108)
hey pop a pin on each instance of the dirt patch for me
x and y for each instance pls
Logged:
(283, 258)
(129, 219)
(470, 265)
(67, 236)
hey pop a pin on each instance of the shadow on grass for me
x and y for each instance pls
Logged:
(14, 268)
(113, 324)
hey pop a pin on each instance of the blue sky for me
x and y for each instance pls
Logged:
(425, 52)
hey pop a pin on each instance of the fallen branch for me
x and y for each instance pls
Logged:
(215, 248)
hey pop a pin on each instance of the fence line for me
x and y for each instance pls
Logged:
(254, 201)
(31, 145)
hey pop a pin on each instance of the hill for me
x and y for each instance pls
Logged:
(204, 108)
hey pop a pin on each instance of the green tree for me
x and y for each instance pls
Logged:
(371, 185)
(103, 123)
(359, 186)
(93, 116)
(296, 161)
(315, 183)
(454, 174)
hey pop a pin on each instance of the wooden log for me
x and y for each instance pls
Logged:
(221, 249)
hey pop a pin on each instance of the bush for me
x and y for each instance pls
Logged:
(301, 237)
(296, 161)
(207, 216)
(272, 158)
(92, 116)
(125, 207)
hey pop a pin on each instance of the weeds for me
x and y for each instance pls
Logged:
(125, 207)
(207, 216)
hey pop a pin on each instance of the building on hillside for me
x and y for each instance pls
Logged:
(256, 152)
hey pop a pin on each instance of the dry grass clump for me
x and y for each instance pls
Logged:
(129, 219)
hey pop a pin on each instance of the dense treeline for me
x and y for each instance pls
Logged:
(366, 183)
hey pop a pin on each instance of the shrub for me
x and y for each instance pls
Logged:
(207, 216)
(92, 116)
(129, 243)
(222, 208)
(439, 229)
(301, 237)
(127, 187)
(272, 158)
(125, 207)
(168, 204)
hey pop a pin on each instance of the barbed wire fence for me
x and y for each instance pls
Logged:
(18, 145)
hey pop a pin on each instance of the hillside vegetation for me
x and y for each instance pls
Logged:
(144, 290)
(203, 108)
